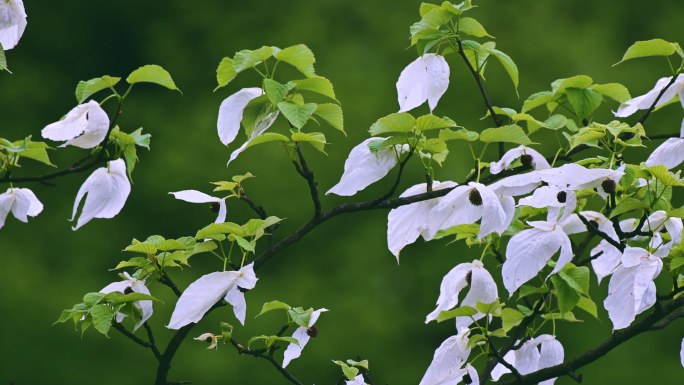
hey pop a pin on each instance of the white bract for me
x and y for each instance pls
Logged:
(22, 202)
(230, 113)
(447, 364)
(669, 154)
(358, 380)
(194, 196)
(467, 205)
(645, 102)
(204, 293)
(516, 185)
(137, 286)
(549, 196)
(88, 119)
(12, 22)
(260, 128)
(301, 334)
(529, 250)
(659, 220)
(631, 289)
(425, 79)
(363, 168)
(406, 223)
(576, 177)
(107, 189)
(482, 289)
(528, 359)
(681, 353)
(531, 157)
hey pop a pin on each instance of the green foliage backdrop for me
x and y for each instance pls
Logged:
(377, 307)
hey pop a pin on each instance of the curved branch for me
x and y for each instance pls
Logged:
(268, 357)
(648, 323)
(591, 228)
(655, 102)
(307, 174)
(151, 345)
(502, 361)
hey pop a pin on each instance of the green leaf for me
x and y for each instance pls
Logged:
(567, 296)
(102, 318)
(425, 44)
(556, 122)
(435, 146)
(297, 115)
(628, 204)
(526, 290)
(584, 101)
(487, 308)
(577, 278)
(501, 333)
(274, 305)
(425, 8)
(461, 231)
(225, 73)
(140, 139)
(220, 228)
(256, 110)
(92, 299)
(143, 247)
(475, 339)
(152, 74)
(245, 244)
(433, 19)
(508, 65)
(472, 27)
(246, 59)
(156, 240)
(299, 56)
(580, 81)
(463, 311)
(509, 112)
(431, 122)
(135, 297)
(615, 91)
(170, 245)
(331, 113)
(457, 9)
(510, 134)
(655, 47)
(349, 371)
(588, 305)
(362, 364)
(225, 186)
(3, 60)
(461, 134)
(539, 99)
(663, 176)
(318, 85)
(240, 178)
(300, 316)
(275, 91)
(399, 122)
(85, 89)
(267, 137)
(34, 150)
(511, 318)
(315, 139)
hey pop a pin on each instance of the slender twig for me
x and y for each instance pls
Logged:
(677, 290)
(307, 174)
(501, 360)
(166, 280)
(583, 246)
(396, 182)
(601, 234)
(259, 354)
(655, 102)
(150, 345)
(586, 261)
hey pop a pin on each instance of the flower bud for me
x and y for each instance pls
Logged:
(128, 290)
(562, 196)
(312, 332)
(475, 197)
(526, 160)
(609, 186)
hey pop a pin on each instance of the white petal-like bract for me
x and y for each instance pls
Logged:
(482, 289)
(230, 113)
(538, 162)
(236, 299)
(406, 223)
(12, 22)
(358, 380)
(425, 79)
(669, 154)
(447, 364)
(88, 119)
(194, 196)
(202, 294)
(363, 168)
(293, 350)
(644, 102)
(22, 202)
(107, 191)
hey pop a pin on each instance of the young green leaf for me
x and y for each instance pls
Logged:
(299, 56)
(225, 73)
(102, 318)
(274, 305)
(267, 137)
(3, 60)
(463, 311)
(297, 115)
(584, 101)
(144, 247)
(472, 27)
(510, 134)
(655, 47)
(85, 89)
(318, 85)
(135, 297)
(508, 65)
(568, 297)
(246, 59)
(152, 74)
(628, 204)
(577, 278)
(461, 134)
(579, 81)
(615, 91)
(399, 122)
(431, 122)
(511, 318)
(275, 91)
(588, 305)
(331, 113)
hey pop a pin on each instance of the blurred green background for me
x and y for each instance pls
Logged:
(377, 308)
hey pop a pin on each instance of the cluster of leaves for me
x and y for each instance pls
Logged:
(99, 310)
(11, 152)
(285, 98)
